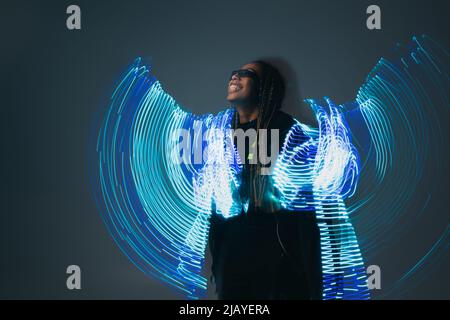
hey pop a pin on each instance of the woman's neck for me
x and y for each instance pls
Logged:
(247, 114)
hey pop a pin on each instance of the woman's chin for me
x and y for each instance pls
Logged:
(233, 97)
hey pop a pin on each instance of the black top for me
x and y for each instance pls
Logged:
(261, 255)
(282, 122)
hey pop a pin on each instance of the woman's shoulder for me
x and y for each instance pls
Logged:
(282, 121)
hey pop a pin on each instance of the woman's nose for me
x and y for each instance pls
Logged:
(235, 77)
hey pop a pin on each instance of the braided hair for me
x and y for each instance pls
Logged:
(269, 93)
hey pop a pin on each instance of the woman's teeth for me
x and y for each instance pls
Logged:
(234, 88)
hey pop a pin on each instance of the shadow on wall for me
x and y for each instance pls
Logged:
(293, 101)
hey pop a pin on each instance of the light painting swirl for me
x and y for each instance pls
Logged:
(361, 153)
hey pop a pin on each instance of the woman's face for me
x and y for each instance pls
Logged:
(241, 89)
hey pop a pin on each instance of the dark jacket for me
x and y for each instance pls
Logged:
(266, 255)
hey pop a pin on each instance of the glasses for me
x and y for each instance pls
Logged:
(241, 73)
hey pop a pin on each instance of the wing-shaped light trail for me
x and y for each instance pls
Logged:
(157, 207)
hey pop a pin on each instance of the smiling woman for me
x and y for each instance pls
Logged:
(285, 235)
(243, 83)
(261, 253)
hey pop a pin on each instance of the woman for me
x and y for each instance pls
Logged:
(265, 252)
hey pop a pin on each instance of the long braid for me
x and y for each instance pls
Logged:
(271, 94)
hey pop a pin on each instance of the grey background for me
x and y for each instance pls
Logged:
(55, 82)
